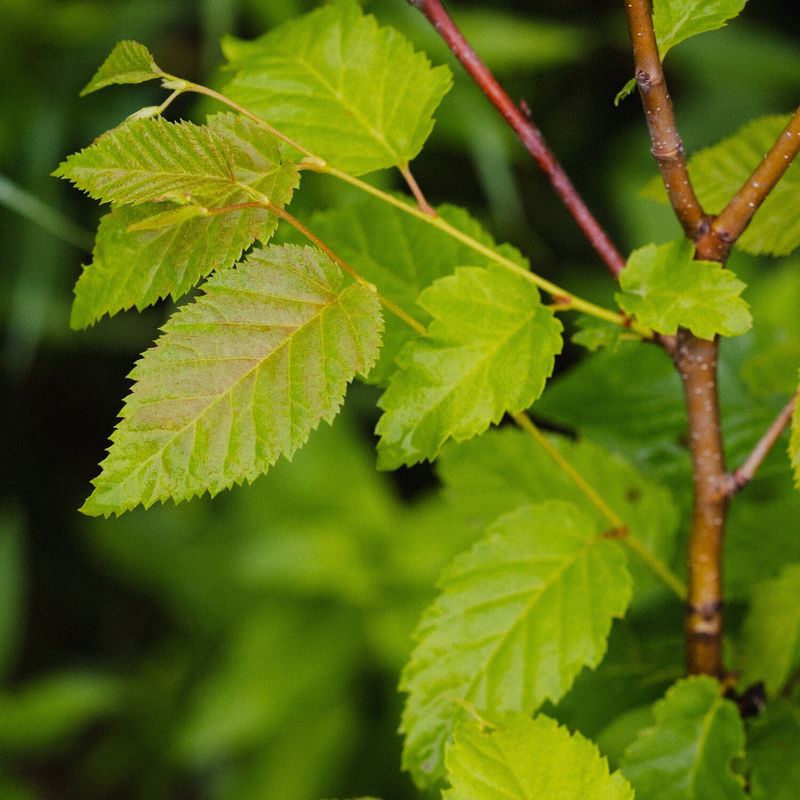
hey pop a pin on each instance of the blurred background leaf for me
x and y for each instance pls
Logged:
(249, 647)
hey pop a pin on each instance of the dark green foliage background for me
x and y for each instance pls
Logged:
(250, 647)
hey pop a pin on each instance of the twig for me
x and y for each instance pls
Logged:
(527, 132)
(732, 221)
(696, 360)
(667, 145)
(739, 478)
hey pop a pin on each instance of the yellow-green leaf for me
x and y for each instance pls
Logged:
(665, 288)
(151, 251)
(689, 752)
(529, 759)
(353, 93)
(519, 615)
(489, 350)
(129, 62)
(238, 378)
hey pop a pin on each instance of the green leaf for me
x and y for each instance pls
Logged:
(644, 658)
(595, 334)
(645, 419)
(771, 505)
(147, 160)
(689, 751)
(519, 615)
(264, 677)
(529, 759)
(493, 474)
(53, 709)
(771, 639)
(665, 288)
(678, 20)
(719, 172)
(128, 62)
(353, 93)
(625, 91)
(402, 255)
(489, 350)
(773, 753)
(144, 253)
(290, 764)
(238, 378)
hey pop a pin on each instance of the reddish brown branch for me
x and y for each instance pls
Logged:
(527, 132)
(732, 221)
(696, 360)
(740, 477)
(667, 145)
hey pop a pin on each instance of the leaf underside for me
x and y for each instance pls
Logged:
(687, 755)
(489, 350)
(665, 288)
(519, 615)
(353, 93)
(529, 759)
(151, 251)
(718, 172)
(238, 378)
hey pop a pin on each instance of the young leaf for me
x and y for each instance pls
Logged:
(719, 171)
(403, 256)
(528, 759)
(493, 474)
(489, 350)
(146, 160)
(773, 753)
(678, 20)
(353, 93)
(238, 378)
(771, 643)
(664, 288)
(128, 62)
(144, 253)
(688, 753)
(519, 615)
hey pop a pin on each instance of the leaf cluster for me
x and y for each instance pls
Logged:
(557, 544)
